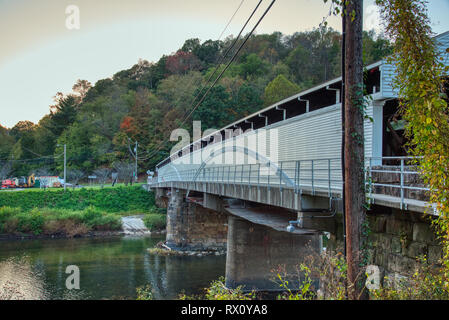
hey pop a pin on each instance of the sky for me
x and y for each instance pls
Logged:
(44, 52)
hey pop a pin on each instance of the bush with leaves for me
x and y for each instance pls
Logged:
(428, 282)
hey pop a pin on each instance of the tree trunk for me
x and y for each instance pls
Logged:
(354, 188)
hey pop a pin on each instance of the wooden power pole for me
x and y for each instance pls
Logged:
(354, 186)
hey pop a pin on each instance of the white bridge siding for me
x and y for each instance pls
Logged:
(315, 135)
(302, 152)
(387, 72)
(311, 136)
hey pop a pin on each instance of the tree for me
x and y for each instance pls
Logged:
(214, 111)
(253, 65)
(315, 57)
(5, 170)
(63, 114)
(74, 176)
(375, 49)
(6, 143)
(208, 51)
(81, 87)
(23, 133)
(246, 101)
(182, 62)
(279, 89)
(125, 171)
(191, 45)
(102, 175)
(21, 128)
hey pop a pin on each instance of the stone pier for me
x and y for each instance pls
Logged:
(192, 227)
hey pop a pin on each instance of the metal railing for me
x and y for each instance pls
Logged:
(395, 175)
(391, 176)
(315, 175)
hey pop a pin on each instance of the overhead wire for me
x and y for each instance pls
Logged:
(222, 72)
(219, 61)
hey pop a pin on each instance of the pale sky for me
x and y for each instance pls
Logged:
(40, 56)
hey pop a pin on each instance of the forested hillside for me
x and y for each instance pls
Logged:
(149, 100)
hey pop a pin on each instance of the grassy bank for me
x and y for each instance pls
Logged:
(75, 212)
(112, 200)
(155, 219)
(45, 221)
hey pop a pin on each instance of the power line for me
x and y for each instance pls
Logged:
(34, 159)
(232, 59)
(227, 52)
(187, 114)
(222, 72)
(219, 61)
(230, 20)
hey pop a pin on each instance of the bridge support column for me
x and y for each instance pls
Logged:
(191, 227)
(255, 250)
(161, 197)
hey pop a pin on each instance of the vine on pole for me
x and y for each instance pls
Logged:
(420, 84)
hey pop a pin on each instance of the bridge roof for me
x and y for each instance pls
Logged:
(333, 82)
(293, 97)
(442, 42)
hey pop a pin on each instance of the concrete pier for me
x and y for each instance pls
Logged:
(254, 251)
(192, 227)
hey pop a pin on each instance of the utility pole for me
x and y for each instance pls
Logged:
(65, 167)
(135, 152)
(354, 186)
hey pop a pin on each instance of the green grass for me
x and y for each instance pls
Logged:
(114, 200)
(155, 222)
(155, 219)
(74, 212)
(57, 221)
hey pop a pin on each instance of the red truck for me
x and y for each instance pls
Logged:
(7, 184)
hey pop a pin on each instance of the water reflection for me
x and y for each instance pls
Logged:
(109, 269)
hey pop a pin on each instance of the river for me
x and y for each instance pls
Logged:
(110, 268)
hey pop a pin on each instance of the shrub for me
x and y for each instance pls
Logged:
(331, 270)
(155, 221)
(30, 222)
(218, 291)
(107, 223)
(7, 212)
(428, 282)
(144, 293)
(68, 227)
(100, 221)
(9, 226)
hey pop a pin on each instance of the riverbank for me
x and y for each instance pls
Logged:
(89, 235)
(76, 213)
(63, 223)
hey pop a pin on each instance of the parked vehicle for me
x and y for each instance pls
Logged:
(25, 182)
(8, 184)
(48, 182)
